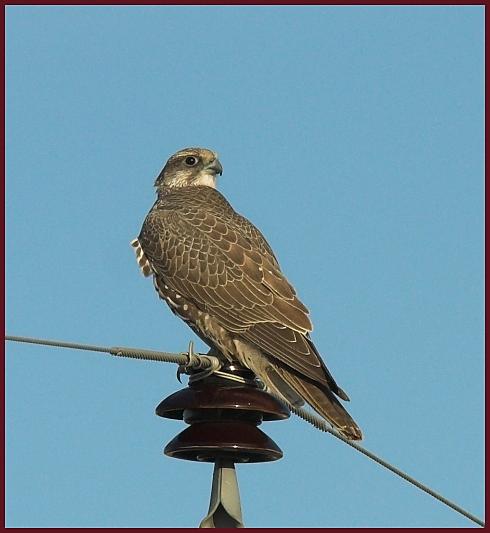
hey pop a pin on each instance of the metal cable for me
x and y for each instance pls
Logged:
(197, 360)
(320, 424)
(207, 361)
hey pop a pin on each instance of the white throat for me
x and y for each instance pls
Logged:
(206, 178)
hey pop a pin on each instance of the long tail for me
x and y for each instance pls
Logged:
(295, 389)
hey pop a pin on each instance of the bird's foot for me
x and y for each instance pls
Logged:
(194, 366)
(192, 362)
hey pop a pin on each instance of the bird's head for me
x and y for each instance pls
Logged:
(190, 166)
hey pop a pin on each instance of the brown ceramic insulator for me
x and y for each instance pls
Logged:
(218, 393)
(223, 417)
(238, 441)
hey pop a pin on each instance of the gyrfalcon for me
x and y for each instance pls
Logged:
(217, 272)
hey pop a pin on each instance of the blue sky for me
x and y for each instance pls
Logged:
(353, 138)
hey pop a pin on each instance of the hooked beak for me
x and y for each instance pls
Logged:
(215, 166)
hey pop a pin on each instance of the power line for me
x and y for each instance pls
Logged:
(199, 361)
(320, 424)
(203, 361)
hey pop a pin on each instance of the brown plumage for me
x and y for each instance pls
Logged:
(217, 272)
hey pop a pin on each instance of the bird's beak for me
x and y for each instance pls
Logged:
(215, 166)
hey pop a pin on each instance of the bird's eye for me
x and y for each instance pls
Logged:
(191, 161)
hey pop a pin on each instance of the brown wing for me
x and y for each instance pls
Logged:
(210, 254)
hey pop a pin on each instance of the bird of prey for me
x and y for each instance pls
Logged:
(216, 271)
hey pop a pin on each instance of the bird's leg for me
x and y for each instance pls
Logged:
(215, 353)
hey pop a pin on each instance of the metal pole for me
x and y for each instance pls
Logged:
(224, 508)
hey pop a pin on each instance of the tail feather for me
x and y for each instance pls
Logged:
(297, 389)
(321, 399)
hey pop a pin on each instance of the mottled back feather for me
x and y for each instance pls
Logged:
(208, 252)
